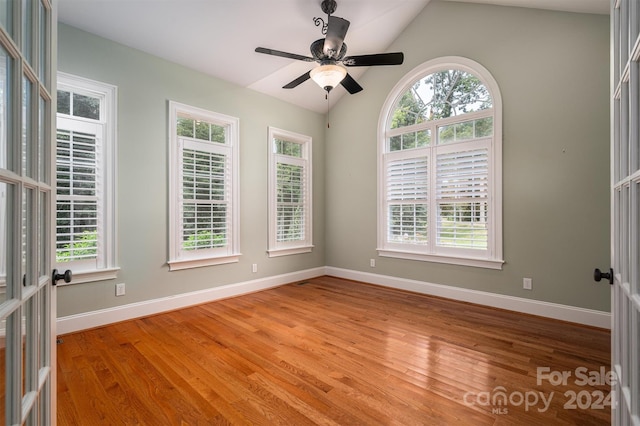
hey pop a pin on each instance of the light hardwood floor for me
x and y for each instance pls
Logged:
(333, 352)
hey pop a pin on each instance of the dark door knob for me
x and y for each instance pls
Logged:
(66, 276)
(598, 275)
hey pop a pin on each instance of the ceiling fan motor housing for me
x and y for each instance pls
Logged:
(317, 51)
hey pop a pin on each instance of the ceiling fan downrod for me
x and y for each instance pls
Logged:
(328, 7)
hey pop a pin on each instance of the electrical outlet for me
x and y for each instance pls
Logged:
(527, 283)
(372, 263)
(120, 290)
(254, 268)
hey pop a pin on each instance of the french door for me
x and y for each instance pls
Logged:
(625, 215)
(27, 357)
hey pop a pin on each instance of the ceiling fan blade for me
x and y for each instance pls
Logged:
(304, 77)
(336, 31)
(284, 54)
(395, 58)
(350, 84)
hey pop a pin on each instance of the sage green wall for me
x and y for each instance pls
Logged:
(145, 84)
(553, 73)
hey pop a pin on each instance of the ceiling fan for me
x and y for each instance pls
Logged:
(330, 51)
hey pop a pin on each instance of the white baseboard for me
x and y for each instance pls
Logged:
(71, 323)
(528, 306)
(83, 321)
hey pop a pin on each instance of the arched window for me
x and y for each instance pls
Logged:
(440, 166)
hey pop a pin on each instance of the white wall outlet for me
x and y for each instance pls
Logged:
(372, 263)
(120, 289)
(527, 283)
(254, 268)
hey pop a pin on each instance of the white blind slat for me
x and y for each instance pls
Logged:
(408, 179)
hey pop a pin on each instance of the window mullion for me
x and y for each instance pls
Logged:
(433, 205)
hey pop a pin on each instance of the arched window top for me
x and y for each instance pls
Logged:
(442, 88)
(441, 94)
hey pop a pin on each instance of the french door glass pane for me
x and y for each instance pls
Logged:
(43, 238)
(5, 240)
(634, 273)
(634, 107)
(624, 234)
(27, 30)
(3, 382)
(24, 349)
(13, 369)
(624, 33)
(623, 166)
(5, 84)
(43, 324)
(624, 348)
(635, 355)
(42, 141)
(29, 353)
(27, 149)
(27, 237)
(5, 15)
(42, 48)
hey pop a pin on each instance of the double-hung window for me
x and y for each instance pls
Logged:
(203, 190)
(440, 166)
(85, 178)
(290, 214)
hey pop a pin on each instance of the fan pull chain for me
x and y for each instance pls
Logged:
(327, 98)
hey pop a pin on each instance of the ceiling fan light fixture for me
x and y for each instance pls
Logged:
(328, 76)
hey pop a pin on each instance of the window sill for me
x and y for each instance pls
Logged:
(288, 251)
(178, 265)
(79, 277)
(451, 260)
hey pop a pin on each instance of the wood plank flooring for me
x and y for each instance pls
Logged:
(334, 352)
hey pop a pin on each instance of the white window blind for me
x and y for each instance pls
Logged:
(462, 197)
(205, 197)
(408, 201)
(291, 202)
(77, 196)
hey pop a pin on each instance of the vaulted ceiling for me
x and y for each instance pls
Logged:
(219, 37)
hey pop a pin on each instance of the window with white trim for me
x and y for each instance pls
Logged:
(290, 211)
(203, 189)
(439, 173)
(86, 179)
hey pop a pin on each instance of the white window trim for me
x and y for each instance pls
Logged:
(108, 266)
(180, 259)
(276, 248)
(494, 256)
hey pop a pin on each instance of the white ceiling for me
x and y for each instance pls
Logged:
(219, 37)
